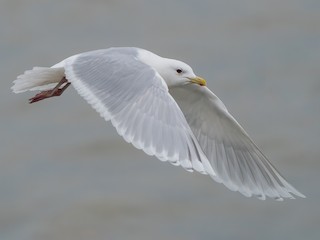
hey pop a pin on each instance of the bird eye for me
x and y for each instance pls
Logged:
(179, 70)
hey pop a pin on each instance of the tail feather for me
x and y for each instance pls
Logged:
(39, 78)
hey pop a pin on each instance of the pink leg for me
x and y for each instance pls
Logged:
(56, 91)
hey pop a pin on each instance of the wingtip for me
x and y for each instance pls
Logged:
(299, 194)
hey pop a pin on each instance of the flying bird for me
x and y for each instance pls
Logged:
(160, 106)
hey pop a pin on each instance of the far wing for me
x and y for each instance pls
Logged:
(136, 100)
(236, 160)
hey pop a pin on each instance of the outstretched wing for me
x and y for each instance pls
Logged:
(236, 160)
(136, 100)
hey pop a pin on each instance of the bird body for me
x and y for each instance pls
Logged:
(160, 106)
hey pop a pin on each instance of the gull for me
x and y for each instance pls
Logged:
(160, 106)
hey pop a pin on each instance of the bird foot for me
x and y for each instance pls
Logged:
(56, 91)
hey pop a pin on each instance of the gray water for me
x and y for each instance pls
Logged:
(64, 172)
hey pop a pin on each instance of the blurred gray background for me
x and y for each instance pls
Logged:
(64, 172)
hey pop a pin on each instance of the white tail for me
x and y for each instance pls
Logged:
(39, 78)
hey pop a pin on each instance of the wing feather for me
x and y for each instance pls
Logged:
(134, 97)
(236, 160)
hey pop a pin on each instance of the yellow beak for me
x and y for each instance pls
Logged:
(198, 80)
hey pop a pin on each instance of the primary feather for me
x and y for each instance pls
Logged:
(237, 161)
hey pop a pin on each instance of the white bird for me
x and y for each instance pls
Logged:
(160, 106)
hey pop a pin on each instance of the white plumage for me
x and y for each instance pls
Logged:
(160, 106)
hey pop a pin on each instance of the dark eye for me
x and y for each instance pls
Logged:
(179, 70)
